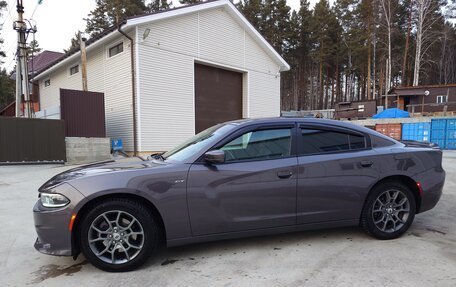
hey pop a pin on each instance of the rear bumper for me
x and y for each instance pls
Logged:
(432, 191)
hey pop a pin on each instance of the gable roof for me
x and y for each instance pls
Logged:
(42, 60)
(170, 13)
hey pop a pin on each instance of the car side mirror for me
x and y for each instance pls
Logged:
(215, 156)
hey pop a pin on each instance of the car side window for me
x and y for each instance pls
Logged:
(316, 141)
(259, 145)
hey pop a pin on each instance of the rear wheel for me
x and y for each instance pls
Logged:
(118, 235)
(389, 210)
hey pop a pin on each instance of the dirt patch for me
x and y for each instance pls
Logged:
(53, 270)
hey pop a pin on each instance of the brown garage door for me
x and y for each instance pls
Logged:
(218, 96)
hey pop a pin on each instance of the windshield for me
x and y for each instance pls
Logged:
(196, 143)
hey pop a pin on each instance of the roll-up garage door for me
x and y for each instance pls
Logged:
(218, 96)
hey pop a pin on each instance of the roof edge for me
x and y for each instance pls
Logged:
(137, 20)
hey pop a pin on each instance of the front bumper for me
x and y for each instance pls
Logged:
(52, 224)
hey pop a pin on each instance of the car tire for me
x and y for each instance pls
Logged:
(118, 235)
(389, 210)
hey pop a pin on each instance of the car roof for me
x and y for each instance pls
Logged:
(327, 122)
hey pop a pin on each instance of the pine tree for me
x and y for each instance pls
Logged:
(108, 13)
(158, 5)
(74, 43)
(3, 5)
(188, 2)
(33, 48)
(7, 89)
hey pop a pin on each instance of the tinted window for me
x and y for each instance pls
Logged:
(357, 142)
(321, 141)
(380, 142)
(259, 145)
(318, 141)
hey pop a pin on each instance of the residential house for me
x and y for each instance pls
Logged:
(194, 66)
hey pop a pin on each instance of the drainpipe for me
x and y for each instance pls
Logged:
(133, 88)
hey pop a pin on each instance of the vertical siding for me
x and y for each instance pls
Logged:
(166, 82)
(110, 76)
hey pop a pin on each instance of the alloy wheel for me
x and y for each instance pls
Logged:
(116, 237)
(391, 210)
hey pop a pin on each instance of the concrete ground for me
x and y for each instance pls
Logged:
(424, 256)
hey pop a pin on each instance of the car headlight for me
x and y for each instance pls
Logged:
(53, 200)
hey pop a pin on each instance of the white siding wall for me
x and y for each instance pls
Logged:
(111, 76)
(166, 66)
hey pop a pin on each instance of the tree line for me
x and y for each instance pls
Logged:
(346, 50)
(357, 49)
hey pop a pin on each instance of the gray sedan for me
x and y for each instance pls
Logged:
(238, 179)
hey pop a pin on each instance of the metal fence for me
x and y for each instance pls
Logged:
(83, 112)
(31, 140)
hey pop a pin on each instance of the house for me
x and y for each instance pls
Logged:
(34, 65)
(193, 66)
(427, 100)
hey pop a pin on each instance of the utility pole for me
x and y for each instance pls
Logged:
(83, 62)
(22, 89)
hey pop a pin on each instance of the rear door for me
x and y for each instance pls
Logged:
(255, 187)
(337, 167)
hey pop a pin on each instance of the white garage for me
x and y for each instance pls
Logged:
(193, 67)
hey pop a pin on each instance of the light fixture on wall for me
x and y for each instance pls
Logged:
(146, 33)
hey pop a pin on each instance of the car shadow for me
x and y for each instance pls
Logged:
(208, 250)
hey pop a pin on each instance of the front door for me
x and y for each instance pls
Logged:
(255, 187)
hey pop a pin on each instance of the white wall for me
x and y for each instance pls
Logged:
(166, 73)
(111, 76)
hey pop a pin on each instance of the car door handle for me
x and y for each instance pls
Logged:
(284, 174)
(366, 163)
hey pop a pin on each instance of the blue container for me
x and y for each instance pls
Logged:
(417, 131)
(443, 133)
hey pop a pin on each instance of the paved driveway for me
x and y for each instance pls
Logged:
(425, 256)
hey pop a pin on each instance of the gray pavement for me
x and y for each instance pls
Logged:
(424, 256)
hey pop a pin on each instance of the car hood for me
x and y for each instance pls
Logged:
(101, 168)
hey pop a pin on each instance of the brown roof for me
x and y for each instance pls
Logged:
(416, 90)
(42, 60)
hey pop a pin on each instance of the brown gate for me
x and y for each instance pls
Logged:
(31, 140)
(83, 112)
(218, 96)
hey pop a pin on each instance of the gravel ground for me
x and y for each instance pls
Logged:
(424, 256)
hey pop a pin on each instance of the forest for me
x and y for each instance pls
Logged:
(357, 49)
(341, 50)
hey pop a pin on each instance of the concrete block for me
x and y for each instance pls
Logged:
(87, 150)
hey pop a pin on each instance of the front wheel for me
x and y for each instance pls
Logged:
(118, 235)
(389, 211)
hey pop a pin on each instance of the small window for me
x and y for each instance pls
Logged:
(380, 142)
(321, 141)
(47, 82)
(74, 70)
(259, 145)
(357, 142)
(442, 99)
(117, 49)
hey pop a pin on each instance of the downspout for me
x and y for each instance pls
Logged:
(133, 88)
